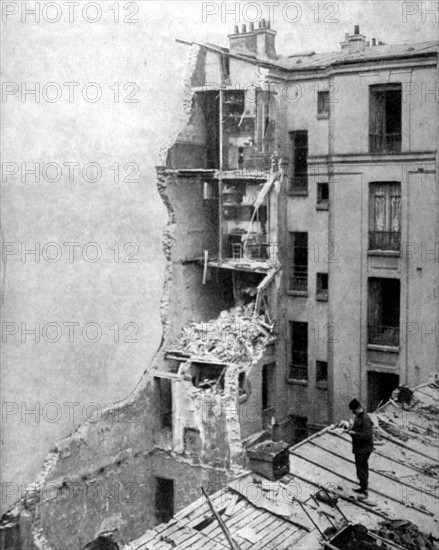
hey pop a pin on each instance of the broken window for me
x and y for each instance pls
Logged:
(299, 351)
(385, 119)
(322, 287)
(380, 386)
(163, 388)
(323, 104)
(384, 312)
(299, 165)
(164, 499)
(385, 216)
(321, 371)
(298, 264)
(322, 194)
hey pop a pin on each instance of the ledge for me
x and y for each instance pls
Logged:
(300, 293)
(391, 253)
(387, 349)
(323, 116)
(322, 206)
(297, 382)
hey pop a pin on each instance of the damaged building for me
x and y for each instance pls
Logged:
(303, 219)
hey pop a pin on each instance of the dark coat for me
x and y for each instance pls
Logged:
(362, 439)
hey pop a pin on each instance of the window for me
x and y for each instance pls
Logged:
(380, 386)
(299, 351)
(321, 371)
(385, 119)
(299, 428)
(298, 264)
(322, 287)
(164, 393)
(164, 499)
(322, 195)
(323, 104)
(299, 175)
(385, 216)
(383, 312)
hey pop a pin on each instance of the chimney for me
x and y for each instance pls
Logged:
(258, 42)
(353, 43)
(374, 41)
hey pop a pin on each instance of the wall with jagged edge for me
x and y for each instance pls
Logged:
(100, 479)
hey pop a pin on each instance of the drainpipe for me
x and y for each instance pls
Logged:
(220, 179)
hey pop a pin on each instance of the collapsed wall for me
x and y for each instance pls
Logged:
(99, 486)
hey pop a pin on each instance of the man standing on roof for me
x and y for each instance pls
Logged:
(362, 445)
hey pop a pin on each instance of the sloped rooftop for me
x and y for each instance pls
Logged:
(261, 514)
(323, 60)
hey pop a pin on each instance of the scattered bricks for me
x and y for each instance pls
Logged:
(406, 534)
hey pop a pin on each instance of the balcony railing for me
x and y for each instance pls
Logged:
(382, 335)
(384, 240)
(299, 278)
(385, 143)
(299, 370)
(299, 184)
(249, 252)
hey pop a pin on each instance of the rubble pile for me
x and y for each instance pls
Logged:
(406, 534)
(236, 336)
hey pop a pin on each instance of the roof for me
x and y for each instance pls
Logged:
(285, 514)
(323, 60)
(372, 53)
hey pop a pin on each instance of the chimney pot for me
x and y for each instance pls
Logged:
(264, 24)
(251, 27)
(243, 29)
(260, 24)
(268, 24)
(374, 41)
(357, 29)
(368, 44)
(346, 36)
(236, 29)
(380, 43)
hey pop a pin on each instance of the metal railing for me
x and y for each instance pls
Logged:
(298, 371)
(383, 335)
(385, 143)
(299, 278)
(384, 240)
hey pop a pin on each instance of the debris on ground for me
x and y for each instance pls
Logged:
(236, 336)
(406, 534)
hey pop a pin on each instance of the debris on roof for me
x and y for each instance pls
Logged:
(293, 513)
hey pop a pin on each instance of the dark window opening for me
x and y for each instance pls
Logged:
(321, 371)
(385, 119)
(299, 351)
(209, 101)
(268, 393)
(385, 216)
(192, 441)
(298, 264)
(164, 391)
(322, 194)
(322, 287)
(299, 428)
(323, 103)
(164, 499)
(205, 375)
(384, 312)
(380, 386)
(299, 165)
(100, 543)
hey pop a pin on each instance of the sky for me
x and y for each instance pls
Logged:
(109, 80)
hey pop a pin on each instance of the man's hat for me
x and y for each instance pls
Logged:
(354, 404)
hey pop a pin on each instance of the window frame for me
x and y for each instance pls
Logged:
(321, 293)
(380, 140)
(295, 368)
(297, 270)
(322, 204)
(390, 239)
(298, 184)
(323, 104)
